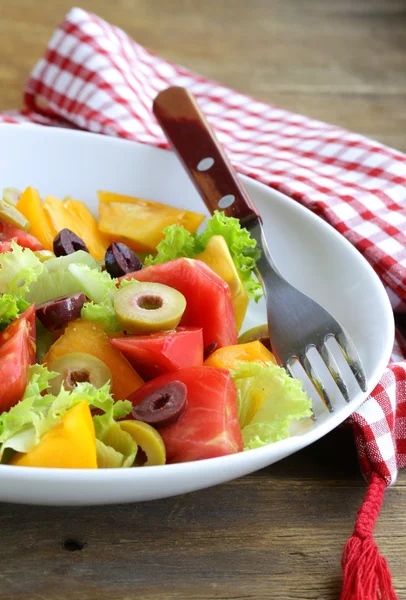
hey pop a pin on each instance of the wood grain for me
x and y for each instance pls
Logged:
(277, 534)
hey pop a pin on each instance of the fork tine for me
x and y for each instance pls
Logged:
(351, 356)
(316, 380)
(332, 366)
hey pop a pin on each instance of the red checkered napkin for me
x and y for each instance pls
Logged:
(94, 77)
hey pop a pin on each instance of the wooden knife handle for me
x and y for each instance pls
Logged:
(201, 154)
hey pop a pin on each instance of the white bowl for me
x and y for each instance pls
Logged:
(308, 252)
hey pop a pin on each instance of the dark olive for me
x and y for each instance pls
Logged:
(67, 242)
(210, 349)
(120, 260)
(164, 406)
(55, 313)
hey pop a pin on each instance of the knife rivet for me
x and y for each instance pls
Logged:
(205, 164)
(226, 201)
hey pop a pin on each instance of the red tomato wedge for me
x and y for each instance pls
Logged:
(209, 426)
(24, 239)
(207, 296)
(29, 316)
(159, 353)
(5, 247)
(14, 363)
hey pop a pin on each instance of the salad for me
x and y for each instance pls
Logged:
(119, 338)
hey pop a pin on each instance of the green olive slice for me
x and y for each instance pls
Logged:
(9, 214)
(148, 307)
(78, 367)
(260, 332)
(148, 439)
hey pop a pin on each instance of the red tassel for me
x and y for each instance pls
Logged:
(366, 572)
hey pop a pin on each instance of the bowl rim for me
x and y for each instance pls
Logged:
(291, 444)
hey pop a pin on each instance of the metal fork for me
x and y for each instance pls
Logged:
(296, 322)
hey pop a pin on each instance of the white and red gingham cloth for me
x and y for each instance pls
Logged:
(94, 77)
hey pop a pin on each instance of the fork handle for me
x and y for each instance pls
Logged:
(193, 140)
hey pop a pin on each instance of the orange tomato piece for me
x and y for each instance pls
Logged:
(70, 444)
(74, 215)
(31, 207)
(86, 228)
(228, 356)
(139, 223)
(57, 215)
(84, 336)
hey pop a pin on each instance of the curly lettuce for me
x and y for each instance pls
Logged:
(178, 242)
(56, 279)
(100, 288)
(23, 425)
(11, 307)
(19, 269)
(115, 448)
(102, 313)
(268, 401)
(242, 247)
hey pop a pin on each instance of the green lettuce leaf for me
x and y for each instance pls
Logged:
(268, 401)
(101, 308)
(103, 313)
(19, 269)
(102, 399)
(115, 448)
(22, 426)
(56, 279)
(242, 248)
(11, 307)
(107, 457)
(39, 378)
(179, 242)
(80, 257)
(124, 282)
(98, 286)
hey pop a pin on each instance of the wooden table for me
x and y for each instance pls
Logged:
(277, 534)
